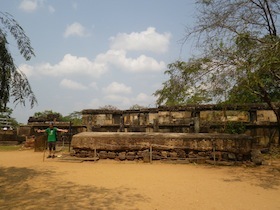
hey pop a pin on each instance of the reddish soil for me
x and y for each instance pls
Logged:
(26, 182)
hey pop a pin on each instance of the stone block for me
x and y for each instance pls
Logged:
(103, 155)
(111, 155)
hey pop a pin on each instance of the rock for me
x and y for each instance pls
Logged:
(156, 157)
(130, 153)
(173, 155)
(122, 156)
(202, 154)
(180, 153)
(164, 154)
(192, 156)
(225, 156)
(103, 154)
(231, 156)
(239, 157)
(146, 156)
(111, 155)
(256, 157)
(130, 157)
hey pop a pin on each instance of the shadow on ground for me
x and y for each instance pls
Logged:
(267, 177)
(23, 188)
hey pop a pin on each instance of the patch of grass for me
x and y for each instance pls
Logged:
(9, 147)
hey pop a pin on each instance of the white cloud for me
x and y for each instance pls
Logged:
(70, 84)
(74, 5)
(148, 40)
(119, 58)
(142, 97)
(73, 65)
(29, 5)
(76, 29)
(123, 102)
(51, 9)
(115, 87)
(94, 85)
(27, 69)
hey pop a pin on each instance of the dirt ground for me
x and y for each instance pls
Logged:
(26, 182)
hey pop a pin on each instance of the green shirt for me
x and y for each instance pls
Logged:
(51, 134)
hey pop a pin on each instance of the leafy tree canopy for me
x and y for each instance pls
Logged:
(13, 82)
(240, 60)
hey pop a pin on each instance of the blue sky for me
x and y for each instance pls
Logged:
(93, 53)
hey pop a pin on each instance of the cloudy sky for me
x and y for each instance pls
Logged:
(93, 53)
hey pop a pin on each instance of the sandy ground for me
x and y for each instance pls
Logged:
(26, 182)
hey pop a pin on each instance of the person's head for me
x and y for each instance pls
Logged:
(51, 125)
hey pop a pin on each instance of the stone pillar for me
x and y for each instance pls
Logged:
(197, 122)
(156, 127)
(89, 123)
(121, 124)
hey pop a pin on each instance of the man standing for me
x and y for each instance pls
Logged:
(52, 137)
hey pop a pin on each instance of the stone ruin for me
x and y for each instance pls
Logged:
(191, 133)
(162, 146)
(37, 140)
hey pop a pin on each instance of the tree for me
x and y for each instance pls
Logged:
(241, 52)
(13, 82)
(48, 114)
(74, 117)
(109, 107)
(183, 87)
(137, 107)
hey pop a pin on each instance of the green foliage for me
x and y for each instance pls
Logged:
(74, 117)
(109, 107)
(235, 127)
(240, 61)
(13, 82)
(137, 107)
(47, 113)
(183, 86)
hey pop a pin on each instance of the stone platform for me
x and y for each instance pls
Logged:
(163, 145)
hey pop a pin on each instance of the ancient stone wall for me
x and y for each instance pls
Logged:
(161, 146)
(255, 120)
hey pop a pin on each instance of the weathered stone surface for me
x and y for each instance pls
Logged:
(112, 141)
(181, 153)
(231, 156)
(122, 156)
(111, 155)
(131, 154)
(202, 154)
(146, 156)
(130, 157)
(103, 154)
(164, 154)
(257, 157)
(173, 155)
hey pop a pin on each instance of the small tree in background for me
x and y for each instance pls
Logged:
(109, 107)
(137, 107)
(74, 117)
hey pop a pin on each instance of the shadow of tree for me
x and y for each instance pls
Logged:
(264, 177)
(18, 192)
